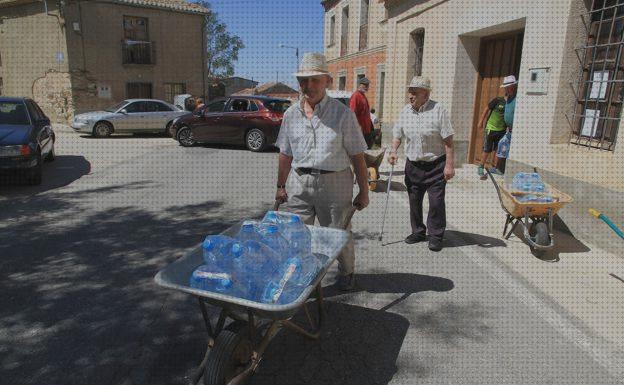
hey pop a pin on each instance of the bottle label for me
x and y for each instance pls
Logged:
(210, 275)
(290, 270)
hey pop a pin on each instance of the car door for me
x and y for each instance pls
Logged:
(41, 125)
(236, 119)
(206, 127)
(154, 116)
(134, 120)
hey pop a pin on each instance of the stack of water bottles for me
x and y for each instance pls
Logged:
(269, 261)
(531, 185)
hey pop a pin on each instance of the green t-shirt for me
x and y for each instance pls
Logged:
(496, 120)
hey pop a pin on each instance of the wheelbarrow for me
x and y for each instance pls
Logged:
(244, 329)
(536, 218)
(373, 162)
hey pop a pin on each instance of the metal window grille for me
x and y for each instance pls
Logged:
(599, 87)
(418, 42)
(173, 89)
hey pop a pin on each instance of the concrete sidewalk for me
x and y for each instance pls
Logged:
(576, 276)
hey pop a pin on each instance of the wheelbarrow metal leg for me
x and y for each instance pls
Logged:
(508, 220)
(516, 222)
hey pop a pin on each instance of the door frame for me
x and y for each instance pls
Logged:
(472, 153)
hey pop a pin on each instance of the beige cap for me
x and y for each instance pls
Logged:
(313, 64)
(420, 82)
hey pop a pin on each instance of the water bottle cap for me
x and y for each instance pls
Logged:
(247, 226)
(237, 249)
(295, 219)
(272, 229)
(209, 244)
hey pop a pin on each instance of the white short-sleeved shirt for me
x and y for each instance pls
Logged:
(423, 130)
(324, 142)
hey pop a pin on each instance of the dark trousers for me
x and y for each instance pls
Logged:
(421, 178)
(370, 139)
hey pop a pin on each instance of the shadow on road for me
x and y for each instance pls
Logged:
(454, 238)
(63, 171)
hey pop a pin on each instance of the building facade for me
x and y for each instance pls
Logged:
(74, 56)
(567, 55)
(355, 46)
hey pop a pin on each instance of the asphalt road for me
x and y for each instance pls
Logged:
(79, 305)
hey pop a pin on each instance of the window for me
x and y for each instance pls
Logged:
(253, 106)
(417, 42)
(33, 111)
(173, 89)
(136, 47)
(156, 107)
(344, 33)
(599, 88)
(342, 83)
(239, 105)
(277, 105)
(216, 106)
(136, 107)
(364, 15)
(13, 113)
(139, 90)
(332, 30)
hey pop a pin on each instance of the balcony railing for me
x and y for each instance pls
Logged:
(363, 36)
(344, 44)
(138, 52)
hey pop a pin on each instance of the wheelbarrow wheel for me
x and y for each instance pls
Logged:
(373, 176)
(542, 235)
(228, 358)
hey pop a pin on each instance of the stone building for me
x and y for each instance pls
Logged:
(73, 56)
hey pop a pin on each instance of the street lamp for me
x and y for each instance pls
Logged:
(295, 48)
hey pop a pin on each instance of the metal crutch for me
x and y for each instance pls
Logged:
(383, 221)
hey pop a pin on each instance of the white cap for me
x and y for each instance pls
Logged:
(508, 81)
(313, 64)
(420, 82)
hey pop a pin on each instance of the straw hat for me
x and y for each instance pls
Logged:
(508, 81)
(420, 82)
(313, 64)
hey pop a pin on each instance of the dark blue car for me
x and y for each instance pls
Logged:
(26, 138)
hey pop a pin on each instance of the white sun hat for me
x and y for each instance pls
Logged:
(508, 81)
(420, 82)
(313, 64)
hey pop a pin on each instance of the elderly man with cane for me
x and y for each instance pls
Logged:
(319, 140)
(428, 134)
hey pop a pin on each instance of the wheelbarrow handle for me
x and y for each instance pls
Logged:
(345, 223)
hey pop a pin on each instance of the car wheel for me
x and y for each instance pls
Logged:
(255, 140)
(35, 173)
(167, 129)
(51, 155)
(185, 137)
(102, 130)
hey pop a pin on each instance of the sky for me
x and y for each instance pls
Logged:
(263, 26)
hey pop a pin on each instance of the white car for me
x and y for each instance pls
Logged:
(129, 116)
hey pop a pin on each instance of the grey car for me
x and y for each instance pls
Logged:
(129, 116)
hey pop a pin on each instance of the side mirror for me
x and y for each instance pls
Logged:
(124, 111)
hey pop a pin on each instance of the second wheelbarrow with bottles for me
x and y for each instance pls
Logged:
(244, 328)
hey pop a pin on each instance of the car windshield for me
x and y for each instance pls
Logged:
(13, 113)
(117, 107)
(279, 106)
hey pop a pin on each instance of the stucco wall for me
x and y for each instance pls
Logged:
(34, 57)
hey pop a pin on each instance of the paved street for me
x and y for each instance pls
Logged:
(79, 305)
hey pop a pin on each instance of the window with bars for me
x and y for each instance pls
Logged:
(173, 89)
(599, 91)
(417, 43)
(139, 90)
(136, 47)
(364, 25)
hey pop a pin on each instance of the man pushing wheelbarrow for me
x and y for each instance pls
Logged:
(319, 140)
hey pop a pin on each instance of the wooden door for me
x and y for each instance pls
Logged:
(499, 56)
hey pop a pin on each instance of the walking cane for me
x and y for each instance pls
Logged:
(383, 221)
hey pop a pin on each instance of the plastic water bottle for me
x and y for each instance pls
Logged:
(213, 246)
(249, 231)
(298, 236)
(231, 256)
(254, 267)
(271, 237)
(206, 278)
(283, 283)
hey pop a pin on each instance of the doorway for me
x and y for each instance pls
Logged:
(500, 56)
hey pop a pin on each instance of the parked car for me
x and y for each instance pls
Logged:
(250, 120)
(26, 138)
(342, 96)
(129, 116)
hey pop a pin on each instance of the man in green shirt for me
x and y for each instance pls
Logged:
(493, 118)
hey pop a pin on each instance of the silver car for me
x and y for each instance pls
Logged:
(129, 116)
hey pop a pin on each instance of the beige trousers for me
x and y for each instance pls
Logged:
(327, 197)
